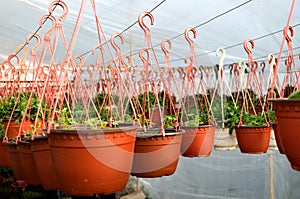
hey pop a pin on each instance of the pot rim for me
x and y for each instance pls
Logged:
(245, 126)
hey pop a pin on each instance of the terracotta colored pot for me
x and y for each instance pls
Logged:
(277, 138)
(156, 155)
(287, 113)
(43, 163)
(88, 162)
(4, 156)
(27, 163)
(13, 129)
(197, 141)
(15, 160)
(253, 139)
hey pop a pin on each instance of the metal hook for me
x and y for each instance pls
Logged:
(114, 45)
(186, 35)
(63, 5)
(286, 36)
(141, 21)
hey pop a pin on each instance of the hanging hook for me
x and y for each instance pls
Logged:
(63, 5)
(286, 36)
(255, 66)
(38, 39)
(144, 60)
(272, 59)
(187, 37)
(49, 32)
(223, 54)
(262, 65)
(230, 66)
(97, 47)
(113, 43)
(141, 21)
(11, 66)
(164, 49)
(23, 59)
(126, 68)
(249, 52)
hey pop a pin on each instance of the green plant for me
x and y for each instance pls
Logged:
(15, 106)
(198, 119)
(169, 121)
(294, 95)
(253, 119)
(232, 115)
(64, 119)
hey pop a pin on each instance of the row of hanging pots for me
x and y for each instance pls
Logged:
(79, 162)
(104, 159)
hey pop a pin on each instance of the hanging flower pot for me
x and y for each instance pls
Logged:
(14, 159)
(87, 162)
(156, 155)
(43, 163)
(288, 116)
(4, 156)
(253, 139)
(27, 163)
(13, 127)
(197, 141)
(277, 138)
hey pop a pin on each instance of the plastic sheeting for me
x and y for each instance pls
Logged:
(257, 18)
(229, 174)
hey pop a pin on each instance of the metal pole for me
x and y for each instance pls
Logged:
(271, 173)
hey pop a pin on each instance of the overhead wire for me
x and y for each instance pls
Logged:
(36, 31)
(126, 29)
(239, 44)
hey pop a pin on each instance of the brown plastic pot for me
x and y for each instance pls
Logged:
(287, 114)
(43, 163)
(4, 156)
(156, 155)
(13, 129)
(15, 160)
(277, 138)
(27, 163)
(197, 141)
(89, 162)
(253, 139)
